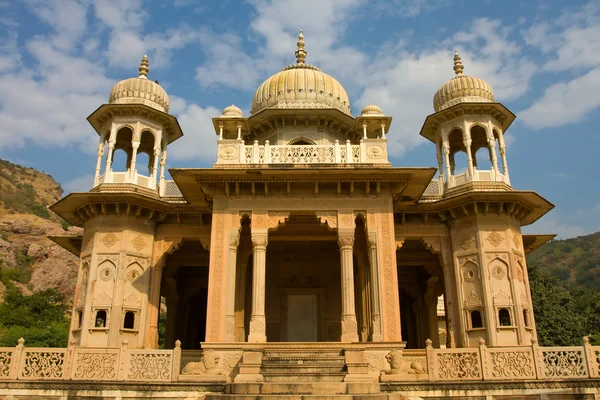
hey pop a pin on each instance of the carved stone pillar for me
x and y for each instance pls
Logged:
(154, 307)
(376, 331)
(471, 168)
(258, 323)
(349, 325)
(99, 161)
(134, 151)
(431, 301)
(234, 241)
(172, 307)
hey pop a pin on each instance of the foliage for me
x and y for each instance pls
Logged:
(18, 196)
(574, 261)
(563, 315)
(40, 318)
(162, 329)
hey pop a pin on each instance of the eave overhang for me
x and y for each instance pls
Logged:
(107, 111)
(264, 116)
(76, 208)
(535, 241)
(69, 242)
(496, 110)
(532, 206)
(410, 182)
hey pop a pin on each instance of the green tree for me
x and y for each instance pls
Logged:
(563, 315)
(40, 318)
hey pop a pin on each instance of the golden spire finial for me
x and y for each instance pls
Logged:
(458, 65)
(144, 67)
(300, 53)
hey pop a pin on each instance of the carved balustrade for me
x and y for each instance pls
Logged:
(515, 363)
(237, 152)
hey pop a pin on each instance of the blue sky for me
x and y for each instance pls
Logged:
(60, 58)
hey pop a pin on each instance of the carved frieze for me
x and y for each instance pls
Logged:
(109, 240)
(139, 243)
(495, 239)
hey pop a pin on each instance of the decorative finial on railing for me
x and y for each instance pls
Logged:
(20, 341)
(428, 343)
(586, 340)
(300, 53)
(458, 65)
(177, 343)
(144, 69)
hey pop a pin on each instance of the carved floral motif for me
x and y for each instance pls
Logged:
(498, 272)
(109, 240)
(139, 243)
(5, 360)
(512, 364)
(516, 239)
(149, 367)
(43, 364)
(564, 363)
(495, 239)
(458, 365)
(467, 242)
(96, 366)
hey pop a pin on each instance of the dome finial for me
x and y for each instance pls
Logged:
(458, 65)
(300, 53)
(144, 67)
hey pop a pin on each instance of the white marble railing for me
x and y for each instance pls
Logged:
(478, 175)
(127, 177)
(373, 151)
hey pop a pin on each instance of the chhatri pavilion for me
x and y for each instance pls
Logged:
(303, 262)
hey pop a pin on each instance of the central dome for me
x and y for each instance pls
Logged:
(301, 85)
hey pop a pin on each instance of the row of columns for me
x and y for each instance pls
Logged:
(258, 330)
(444, 152)
(159, 156)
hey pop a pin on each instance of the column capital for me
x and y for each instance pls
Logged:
(234, 238)
(372, 240)
(345, 239)
(260, 239)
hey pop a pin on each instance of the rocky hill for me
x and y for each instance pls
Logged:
(27, 257)
(576, 261)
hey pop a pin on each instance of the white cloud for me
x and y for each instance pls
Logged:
(200, 140)
(564, 103)
(80, 184)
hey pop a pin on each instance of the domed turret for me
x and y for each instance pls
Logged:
(301, 85)
(140, 90)
(232, 111)
(462, 89)
(371, 109)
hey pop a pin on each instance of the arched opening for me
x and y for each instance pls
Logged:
(142, 163)
(104, 139)
(185, 289)
(476, 320)
(361, 280)
(100, 320)
(504, 317)
(123, 142)
(145, 153)
(458, 161)
(482, 158)
(420, 284)
(129, 320)
(497, 150)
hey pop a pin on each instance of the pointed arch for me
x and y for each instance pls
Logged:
(301, 140)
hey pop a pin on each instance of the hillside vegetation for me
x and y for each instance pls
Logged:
(575, 262)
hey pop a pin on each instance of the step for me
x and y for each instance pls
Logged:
(304, 376)
(299, 386)
(381, 396)
(303, 359)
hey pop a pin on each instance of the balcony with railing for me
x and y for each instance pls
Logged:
(369, 151)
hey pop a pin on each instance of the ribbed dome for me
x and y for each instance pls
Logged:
(140, 90)
(462, 89)
(301, 85)
(371, 109)
(232, 111)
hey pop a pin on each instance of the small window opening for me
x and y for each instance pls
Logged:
(129, 320)
(476, 321)
(79, 318)
(100, 319)
(504, 317)
(526, 318)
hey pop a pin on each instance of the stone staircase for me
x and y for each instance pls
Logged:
(290, 365)
(316, 373)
